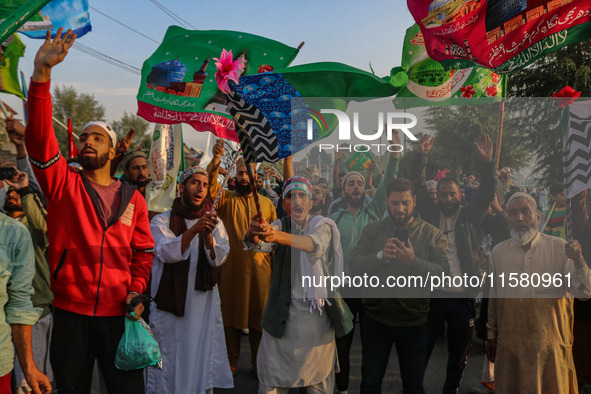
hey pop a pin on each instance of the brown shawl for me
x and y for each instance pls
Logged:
(172, 291)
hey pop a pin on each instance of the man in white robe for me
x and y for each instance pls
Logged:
(300, 321)
(186, 319)
(530, 320)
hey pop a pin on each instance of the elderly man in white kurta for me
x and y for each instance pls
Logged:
(186, 319)
(530, 333)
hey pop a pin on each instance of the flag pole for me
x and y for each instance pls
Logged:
(255, 194)
(500, 133)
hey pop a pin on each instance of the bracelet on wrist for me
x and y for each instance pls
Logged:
(133, 292)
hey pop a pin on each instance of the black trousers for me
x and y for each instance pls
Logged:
(77, 341)
(344, 345)
(459, 314)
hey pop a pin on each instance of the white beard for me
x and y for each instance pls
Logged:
(524, 237)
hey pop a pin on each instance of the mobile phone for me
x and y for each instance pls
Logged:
(7, 173)
(401, 234)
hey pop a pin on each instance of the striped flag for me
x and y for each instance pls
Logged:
(272, 110)
(577, 149)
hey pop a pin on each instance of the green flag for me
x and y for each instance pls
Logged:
(430, 84)
(178, 81)
(11, 49)
(359, 161)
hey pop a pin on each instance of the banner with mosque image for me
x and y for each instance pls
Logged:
(178, 82)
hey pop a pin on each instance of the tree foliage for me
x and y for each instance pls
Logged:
(128, 121)
(457, 128)
(81, 108)
(543, 133)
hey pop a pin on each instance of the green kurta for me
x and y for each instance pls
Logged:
(246, 276)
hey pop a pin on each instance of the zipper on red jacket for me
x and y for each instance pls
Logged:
(98, 288)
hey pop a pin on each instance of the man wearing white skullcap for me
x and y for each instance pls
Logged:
(530, 334)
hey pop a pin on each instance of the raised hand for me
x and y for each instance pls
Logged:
(16, 131)
(484, 146)
(52, 53)
(426, 143)
(218, 148)
(124, 143)
(21, 182)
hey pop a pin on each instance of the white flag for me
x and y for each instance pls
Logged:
(164, 163)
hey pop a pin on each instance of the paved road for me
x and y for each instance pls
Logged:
(245, 383)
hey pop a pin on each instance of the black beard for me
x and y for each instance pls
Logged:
(400, 222)
(449, 210)
(12, 207)
(190, 205)
(93, 163)
(140, 183)
(243, 190)
(353, 202)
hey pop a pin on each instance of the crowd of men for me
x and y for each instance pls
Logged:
(78, 247)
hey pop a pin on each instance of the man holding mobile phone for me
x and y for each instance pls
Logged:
(399, 246)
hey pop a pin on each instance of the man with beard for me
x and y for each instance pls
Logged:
(100, 246)
(318, 200)
(397, 319)
(459, 224)
(246, 276)
(25, 206)
(300, 320)
(190, 244)
(351, 220)
(136, 170)
(530, 329)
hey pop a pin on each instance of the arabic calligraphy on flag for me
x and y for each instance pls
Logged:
(504, 35)
(178, 83)
(429, 83)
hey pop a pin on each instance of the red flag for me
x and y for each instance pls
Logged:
(72, 151)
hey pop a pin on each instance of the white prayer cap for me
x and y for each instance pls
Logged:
(105, 127)
(516, 195)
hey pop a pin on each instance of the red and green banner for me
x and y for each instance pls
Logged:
(429, 83)
(503, 35)
(178, 81)
(10, 52)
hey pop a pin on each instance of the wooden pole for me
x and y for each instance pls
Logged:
(500, 134)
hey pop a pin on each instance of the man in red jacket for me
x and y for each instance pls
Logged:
(100, 246)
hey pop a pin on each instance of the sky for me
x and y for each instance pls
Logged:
(357, 33)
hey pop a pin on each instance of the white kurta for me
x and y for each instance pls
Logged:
(193, 347)
(306, 354)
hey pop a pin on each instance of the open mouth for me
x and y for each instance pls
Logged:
(298, 210)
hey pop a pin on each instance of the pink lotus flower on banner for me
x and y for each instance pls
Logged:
(467, 91)
(227, 70)
(441, 174)
(491, 90)
(495, 77)
(566, 96)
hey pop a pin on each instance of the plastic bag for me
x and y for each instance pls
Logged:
(137, 348)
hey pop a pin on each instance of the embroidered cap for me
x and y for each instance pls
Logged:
(297, 183)
(189, 172)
